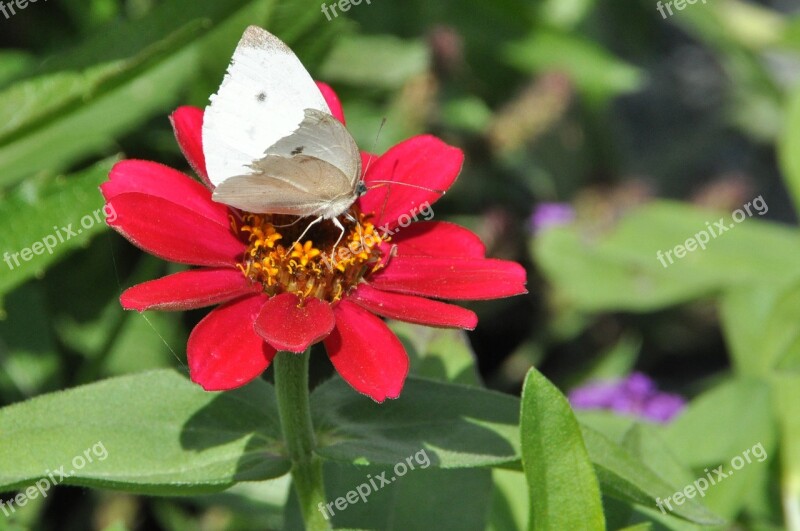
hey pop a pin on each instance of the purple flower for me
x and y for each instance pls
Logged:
(551, 215)
(635, 395)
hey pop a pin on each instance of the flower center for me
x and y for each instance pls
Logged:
(320, 265)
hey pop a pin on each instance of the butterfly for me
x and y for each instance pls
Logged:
(271, 144)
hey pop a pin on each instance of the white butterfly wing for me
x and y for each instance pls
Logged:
(261, 100)
(323, 137)
(300, 186)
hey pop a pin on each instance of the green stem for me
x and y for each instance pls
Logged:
(291, 386)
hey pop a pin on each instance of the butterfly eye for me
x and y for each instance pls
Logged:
(361, 188)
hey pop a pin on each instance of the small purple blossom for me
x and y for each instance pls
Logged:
(551, 215)
(635, 395)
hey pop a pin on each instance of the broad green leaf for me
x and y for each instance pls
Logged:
(419, 499)
(99, 92)
(509, 500)
(597, 73)
(89, 319)
(618, 513)
(458, 426)
(624, 477)
(145, 341)
(29, 361)
(762, 327)
(751, 485)
(248, 505)
(646, 443)
(563, 488)
(438, 353)
(43, 220)
(789, 148)
(33, 101)
(610, 423)
(155, 433)
(741, 409)
(634, 278)
(362, 60)
(43, 118)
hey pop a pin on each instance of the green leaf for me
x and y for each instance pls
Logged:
(563, 489)
(90, 320)
(509, 500)
(159, 433)
(100, 92)
(145, 341)
(646, 442)
(597, 73)
(438, 353)
(247, 505)
(762, 327)
(634, 278)
(458, 426)
(624, 477)
(29, 361)
(48, 111)
(739, 408)
(43, 220)
(414, 500)
(362, 60)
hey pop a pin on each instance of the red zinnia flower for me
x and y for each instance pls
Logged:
(278, 296)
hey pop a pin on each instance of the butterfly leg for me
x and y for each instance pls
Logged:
(305, 231)
(339, 226)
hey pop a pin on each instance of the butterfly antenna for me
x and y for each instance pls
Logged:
(396, 183)
(374, 145)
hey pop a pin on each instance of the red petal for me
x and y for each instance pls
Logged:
(173, 232)
(224, 350)
(162, 181)
(451, 278)
(437, 238)
(187, 123)
(366, 353)
(287, 326)
(332, 100)
(422, 161)
(413, 309)
(188, 290)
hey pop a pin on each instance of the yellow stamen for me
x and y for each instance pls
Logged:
(313, 267)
